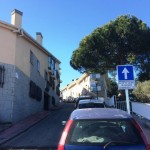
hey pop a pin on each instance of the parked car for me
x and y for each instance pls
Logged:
(69, 99)
(88, 103)
(102, 128)
(81, 98)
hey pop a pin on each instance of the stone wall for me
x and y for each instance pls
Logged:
(25, 105)
(15, 102)
(7, 93)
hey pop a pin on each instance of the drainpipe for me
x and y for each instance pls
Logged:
(12, 102)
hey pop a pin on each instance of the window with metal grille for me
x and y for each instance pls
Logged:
(38, 66)
(2, 73)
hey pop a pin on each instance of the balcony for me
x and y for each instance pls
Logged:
(50, 70)
(52, 76)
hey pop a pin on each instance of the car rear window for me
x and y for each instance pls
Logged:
(82, 98)
(91, 105)
(100, 132)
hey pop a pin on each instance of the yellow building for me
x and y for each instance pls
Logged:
(29, 73)
(88, 84)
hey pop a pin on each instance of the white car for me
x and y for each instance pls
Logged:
(82, 98)
(90, 103)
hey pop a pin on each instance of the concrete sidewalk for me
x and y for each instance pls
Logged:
(22, 126)
(8, 132)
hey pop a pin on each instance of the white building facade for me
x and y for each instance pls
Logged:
(87, 84)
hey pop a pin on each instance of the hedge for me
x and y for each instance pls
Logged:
(142, 92)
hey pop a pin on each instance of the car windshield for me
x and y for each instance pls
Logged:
(84, 132)
(91, 105)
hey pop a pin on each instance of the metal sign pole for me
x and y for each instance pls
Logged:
(127, 101)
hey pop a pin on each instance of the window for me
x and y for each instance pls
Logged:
(2, 71)
(91, 105)
(38, 66)
(49, 62)
(98, 76)
(95, 76)
(57, 74)
(53, 65)
(100, 132)
(35, 91)
(31, 57)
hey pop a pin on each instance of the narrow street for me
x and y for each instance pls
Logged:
(45, 134)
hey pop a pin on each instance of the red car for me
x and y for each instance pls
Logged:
(102, 129)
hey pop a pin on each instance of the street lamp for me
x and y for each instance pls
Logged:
(96, 82)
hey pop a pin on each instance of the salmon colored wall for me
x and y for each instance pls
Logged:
(23, 48)
(7, 46)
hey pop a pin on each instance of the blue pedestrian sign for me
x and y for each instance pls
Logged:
(125, 77)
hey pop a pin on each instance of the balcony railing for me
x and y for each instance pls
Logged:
(50, 70)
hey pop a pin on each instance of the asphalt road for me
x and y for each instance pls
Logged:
(45, 134)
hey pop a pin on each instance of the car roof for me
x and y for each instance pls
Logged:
(85, 97)
(89, 101)
(99, 113)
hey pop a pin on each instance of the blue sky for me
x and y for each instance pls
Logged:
(63, 23)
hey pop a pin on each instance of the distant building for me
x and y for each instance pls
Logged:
(88, 84)
(29, 74)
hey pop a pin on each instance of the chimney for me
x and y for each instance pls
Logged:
(39, 37)
(16, 18)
